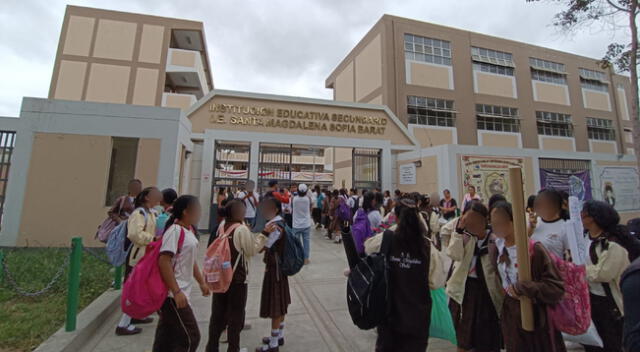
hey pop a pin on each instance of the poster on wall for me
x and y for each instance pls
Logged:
(577, 184)
(489, 174)
(619, 187)
(408, 174)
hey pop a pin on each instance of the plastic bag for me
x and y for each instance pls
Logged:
(590, 338)
(441, 323)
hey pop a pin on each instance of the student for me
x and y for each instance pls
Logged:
(124, 205)
(495, 198)
(387, 202)
(228, 309)
(326, 215)
(546, 224)
(630, 286)
(410, 272)
(169, 196)
(222, 196)
(177, 328)
(469, 196)
(275, 297)
(334, 227)
(606, 262)
(302, 218)
(545, 289)
(448, 206)
(251, 204)
(141, 228)
(474, 287)
(369, 207)
(317, 208)
(431, 218)
(354, 201)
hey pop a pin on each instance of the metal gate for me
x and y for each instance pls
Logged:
(7, 143)
(366, 168)
(230, 164)
(275, 164)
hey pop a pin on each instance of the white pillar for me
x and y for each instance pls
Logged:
(206, 180)
(254, 162)
(386, 169)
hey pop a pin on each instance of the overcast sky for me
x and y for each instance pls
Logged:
(272, 46)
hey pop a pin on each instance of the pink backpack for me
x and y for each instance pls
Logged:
(217, 270)
(144, 291)
(572, 315)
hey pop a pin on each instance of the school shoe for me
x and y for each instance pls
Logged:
(120, 331)
(267, 349)
(147, 320)
(266, 340)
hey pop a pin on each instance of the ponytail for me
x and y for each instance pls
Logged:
(141, 198)
(179, 206)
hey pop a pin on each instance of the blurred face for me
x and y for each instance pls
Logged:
(237, 212)
(471, 190)
(501, 223)
(134, 188)
(475, 222)
(269, 210)
(192, 214)
(546, 208)
(447, 194)
(587, 220)
(153, 198)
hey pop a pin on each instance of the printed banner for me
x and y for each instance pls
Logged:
(281, 175)
(489, 174)
(619, 187)
(577, 184)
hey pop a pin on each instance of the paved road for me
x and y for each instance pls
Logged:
(318, 319)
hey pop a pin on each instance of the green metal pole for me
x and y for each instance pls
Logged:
(73, 292)
(1, 266)
(118, 278)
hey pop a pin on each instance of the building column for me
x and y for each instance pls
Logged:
(254, 162)
(206, 179)
(386, 168)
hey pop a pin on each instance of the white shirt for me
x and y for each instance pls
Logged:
(183, 261)
(508, 273)
(553, 235)
(251, 203)
(301, 212)
(351, 202)
(594, 287)
(314, 199)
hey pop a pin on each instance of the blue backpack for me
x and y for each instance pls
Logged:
(293, 256)
(116, 252)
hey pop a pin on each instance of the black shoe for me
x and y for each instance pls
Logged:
(120, 331)
(147, 320)
(266, 340)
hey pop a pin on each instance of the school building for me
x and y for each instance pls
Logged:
(416, 107)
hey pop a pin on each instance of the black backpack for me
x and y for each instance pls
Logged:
(292, 259)
(624, 238)
(633, 226)
(368, 288)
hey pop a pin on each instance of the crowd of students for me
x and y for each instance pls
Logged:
(474, 246)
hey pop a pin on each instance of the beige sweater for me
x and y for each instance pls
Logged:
(462, 253)
(611, 264)
(140, 233)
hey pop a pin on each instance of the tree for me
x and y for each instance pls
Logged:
(624, 57)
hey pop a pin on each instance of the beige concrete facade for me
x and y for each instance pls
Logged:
(119, 57)
(404, 77)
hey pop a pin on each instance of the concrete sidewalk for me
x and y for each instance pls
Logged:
(318, 318)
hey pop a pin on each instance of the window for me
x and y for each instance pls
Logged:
(7, 144)
(492, 61)
(544, 65)
(547, 71)
(124, 153)
(554, 124)
(600, 129)
(497, 118)
(425, 49)
(430, 111)
(595, 80)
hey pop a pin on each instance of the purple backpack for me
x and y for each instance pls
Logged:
(344, 212)
(361, 230)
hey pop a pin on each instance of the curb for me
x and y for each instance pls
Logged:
(90, 320)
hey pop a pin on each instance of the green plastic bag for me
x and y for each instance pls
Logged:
(441, 323)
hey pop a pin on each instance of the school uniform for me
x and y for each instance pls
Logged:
(141, 231)
(546, 288)
(407, 325)
(177, 330)
(228, 309)
(276, 297)
(476, 295)
(606, 262)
